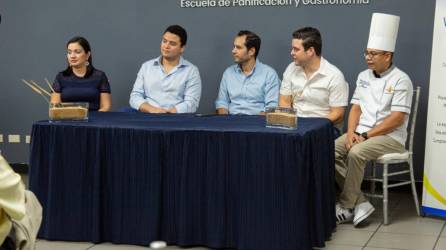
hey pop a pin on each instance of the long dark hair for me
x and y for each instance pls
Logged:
(86, 46)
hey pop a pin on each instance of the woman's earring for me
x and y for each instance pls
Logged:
(87, 63)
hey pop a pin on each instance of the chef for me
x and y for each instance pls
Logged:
(378, 118)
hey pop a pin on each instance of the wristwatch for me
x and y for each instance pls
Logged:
(364, 135)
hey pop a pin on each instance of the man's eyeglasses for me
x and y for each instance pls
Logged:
(373, 53)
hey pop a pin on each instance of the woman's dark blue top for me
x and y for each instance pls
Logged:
(82, 89)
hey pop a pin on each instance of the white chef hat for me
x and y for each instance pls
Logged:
(383, 32)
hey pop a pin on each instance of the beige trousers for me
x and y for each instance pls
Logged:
(350, 165)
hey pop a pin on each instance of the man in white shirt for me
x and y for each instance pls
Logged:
(12, 200)
(312, 85)
(20, 211)
(377, 122)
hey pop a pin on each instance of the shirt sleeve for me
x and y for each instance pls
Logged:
(356, 94)
(192, 93)
(272, 90)
(338, 91)
(137, 96)
(56, 84)
(223, 95)
(402, 96)
(286, 86)
(104, 87)
(12, 191)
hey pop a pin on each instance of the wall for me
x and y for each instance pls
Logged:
(124, 34)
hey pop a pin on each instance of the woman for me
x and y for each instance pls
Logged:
(80, 81)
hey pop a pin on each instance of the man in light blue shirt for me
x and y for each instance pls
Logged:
(169, 83)
(249, 86)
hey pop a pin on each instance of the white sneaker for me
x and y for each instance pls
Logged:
(338, 205)
(362, 211)
(343, 215)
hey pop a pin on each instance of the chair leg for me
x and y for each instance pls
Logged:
(385, 195)
(414, 190)
(372, 182)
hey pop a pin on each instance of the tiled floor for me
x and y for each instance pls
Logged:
(405, 231)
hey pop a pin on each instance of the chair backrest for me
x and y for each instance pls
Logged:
(416, 98)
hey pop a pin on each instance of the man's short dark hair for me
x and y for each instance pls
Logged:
(252, 40)
(179, 31)
(311, 37)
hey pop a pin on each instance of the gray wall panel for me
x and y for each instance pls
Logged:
(124, 34)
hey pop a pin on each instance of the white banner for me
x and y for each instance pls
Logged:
(434, 181)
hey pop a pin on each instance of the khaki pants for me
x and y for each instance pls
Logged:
(350, 165)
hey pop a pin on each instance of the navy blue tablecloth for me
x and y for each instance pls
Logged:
(217, 181)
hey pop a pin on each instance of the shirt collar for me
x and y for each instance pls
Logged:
(239, 69)
(385, 73)
(322, 68)
(321, 71)
(182, 62)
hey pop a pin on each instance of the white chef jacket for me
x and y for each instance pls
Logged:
(378, 97)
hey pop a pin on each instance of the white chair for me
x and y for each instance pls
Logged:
(397, 158)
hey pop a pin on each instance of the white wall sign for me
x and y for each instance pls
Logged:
(434, 181)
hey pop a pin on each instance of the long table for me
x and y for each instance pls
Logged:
(190, 180)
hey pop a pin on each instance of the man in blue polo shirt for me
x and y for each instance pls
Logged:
(168, 83)
(249, 86)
